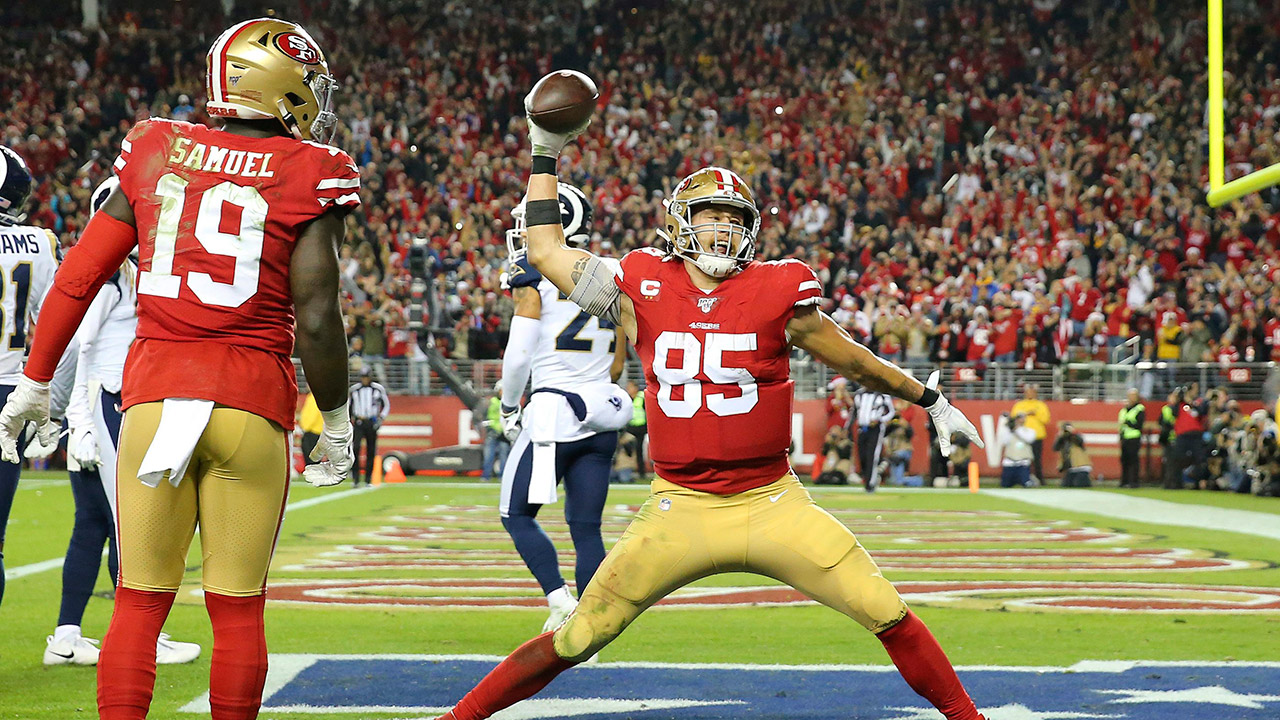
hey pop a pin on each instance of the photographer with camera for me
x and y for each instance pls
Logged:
(1074, 461)
(837, 453)
(1015, 450)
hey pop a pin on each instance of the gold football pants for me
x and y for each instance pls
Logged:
(235, 488)
(680, 535)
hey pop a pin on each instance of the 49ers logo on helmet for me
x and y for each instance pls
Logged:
(298, 47)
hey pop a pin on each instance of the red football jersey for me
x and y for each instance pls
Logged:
(218, 215)
(718, 388)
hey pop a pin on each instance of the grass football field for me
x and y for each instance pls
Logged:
(390, 602)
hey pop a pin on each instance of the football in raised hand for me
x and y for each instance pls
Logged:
(562, 101)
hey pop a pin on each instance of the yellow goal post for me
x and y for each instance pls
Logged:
(1221, 191)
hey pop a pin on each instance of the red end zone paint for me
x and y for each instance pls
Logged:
(453, 593)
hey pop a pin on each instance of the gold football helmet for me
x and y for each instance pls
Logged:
(271, 69)
(733, 245)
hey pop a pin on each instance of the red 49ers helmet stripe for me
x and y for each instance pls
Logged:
(219, 53)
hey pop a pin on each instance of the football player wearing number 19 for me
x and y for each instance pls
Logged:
(714, 328)
(568, 431)
(238, 232)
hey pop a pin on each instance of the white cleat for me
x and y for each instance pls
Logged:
(172, 652)
(72, 650)
(562, 606)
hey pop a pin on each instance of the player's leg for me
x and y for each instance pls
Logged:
(519, 518)
(357, 438)
(243, 489)
(106, 419)
(154, 527)
(799, 543)
(586, 486)
(106, 424)
(664, 548)
(91, 528)
(370, 451)
(8, 488)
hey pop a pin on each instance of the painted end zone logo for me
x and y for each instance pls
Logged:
(426, 686)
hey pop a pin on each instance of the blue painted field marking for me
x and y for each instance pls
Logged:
(424, 685)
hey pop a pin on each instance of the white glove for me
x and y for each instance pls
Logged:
(33, 448)
(29, 401)
(84, 448)
(334, 446)
(511, 423)
(545, 142)
(947, 420)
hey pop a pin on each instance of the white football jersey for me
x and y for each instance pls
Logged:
(574, 347)
(27, 265)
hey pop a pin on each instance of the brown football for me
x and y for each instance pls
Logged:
(562, 101)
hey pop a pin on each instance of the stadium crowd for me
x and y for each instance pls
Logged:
(976, 181)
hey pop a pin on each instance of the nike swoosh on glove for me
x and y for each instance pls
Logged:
(334, 446)
(947, 420)
(29, 402)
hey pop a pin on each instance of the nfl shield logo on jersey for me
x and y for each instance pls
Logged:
(706, 304)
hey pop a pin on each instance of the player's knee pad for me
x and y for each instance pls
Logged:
(878, 605)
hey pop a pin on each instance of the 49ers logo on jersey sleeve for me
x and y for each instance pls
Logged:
(298, 47)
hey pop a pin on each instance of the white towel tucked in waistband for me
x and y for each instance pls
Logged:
(542, 414)
(608, 406)
(182, 422)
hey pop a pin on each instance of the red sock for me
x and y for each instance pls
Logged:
(127, 665)
(926, 668)
(239, 666)
(523, 673)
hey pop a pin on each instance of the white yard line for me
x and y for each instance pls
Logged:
(1148, 510)
(54, 563)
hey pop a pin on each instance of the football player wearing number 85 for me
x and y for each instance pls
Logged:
(233, 249)
(714, 329)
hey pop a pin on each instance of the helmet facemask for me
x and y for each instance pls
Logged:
(716, 248)
(719, 248)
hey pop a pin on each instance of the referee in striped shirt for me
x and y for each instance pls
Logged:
(873, 411)
(369, 407)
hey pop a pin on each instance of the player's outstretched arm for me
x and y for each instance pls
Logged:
(547, 249)
(322, 341)
(583, 277)
(814, 331)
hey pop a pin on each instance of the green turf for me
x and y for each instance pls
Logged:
(806, 634)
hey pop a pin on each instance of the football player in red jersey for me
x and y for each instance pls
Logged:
(238, 231)
(714, 329)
